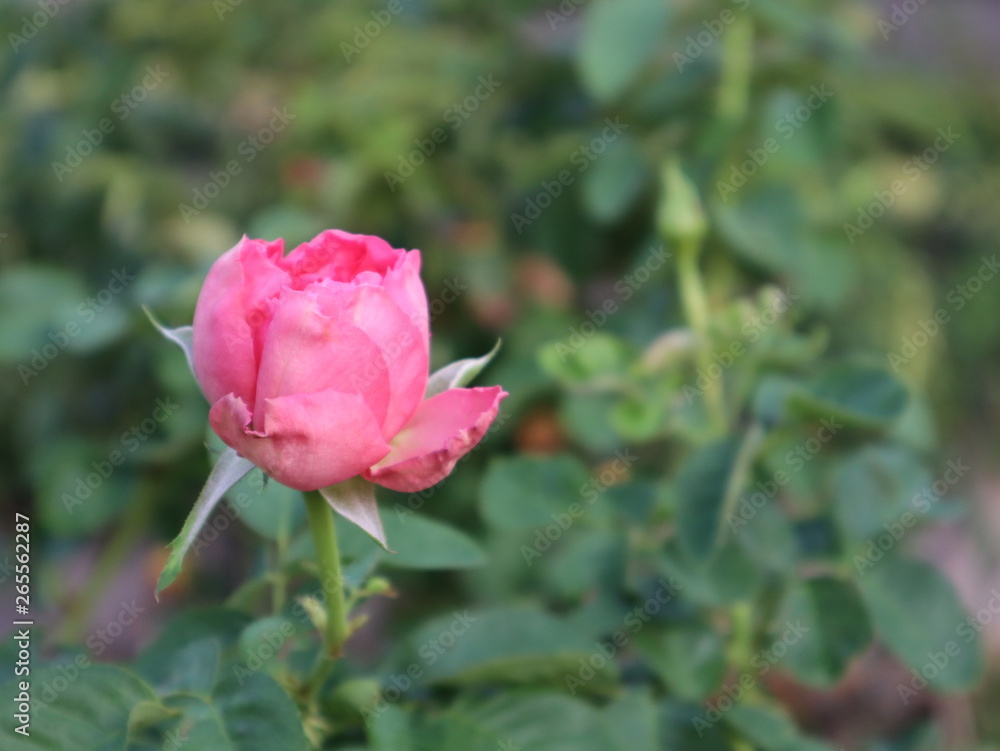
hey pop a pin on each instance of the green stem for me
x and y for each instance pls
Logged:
(733, 94)
(279, 581)
(741, 642)
(321, 522)
(696, 311)
(737, 65)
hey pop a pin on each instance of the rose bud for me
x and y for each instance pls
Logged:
(316, 365)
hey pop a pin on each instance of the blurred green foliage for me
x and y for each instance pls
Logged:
(737, 470)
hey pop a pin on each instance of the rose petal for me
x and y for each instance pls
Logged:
(403, 283)
(311, 441)
(341, 256)
(442, 430)
(403, 345)
(225, 360)
(307, 351)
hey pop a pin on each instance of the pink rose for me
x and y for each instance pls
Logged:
(315, 365)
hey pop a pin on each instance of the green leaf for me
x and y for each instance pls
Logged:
(459, 373)
(187, 653)
(66, 504)
(619, 37)
(631, 722)
(182, 336)
(690, 659)
(250, 713)
(389, 729)
(524, 491)
(770, 227)
(589, 560)
(768, 537)
(84, 709)
(874, 489)
(34, 301)
(589, 418)
(640, 417)
(838, 626)
(701, 490)
(594, 360)
(685, 727)
(354, 499)
(727, 577)
(422, 543)
(226, 473)
(859, 396)
(919, 617)
(517, 645)
(615, 180)
(764, 728)
(517, 721)
(266, 506)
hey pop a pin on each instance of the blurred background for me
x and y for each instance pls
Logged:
(847, 161)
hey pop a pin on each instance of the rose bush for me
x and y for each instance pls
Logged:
(316, 365)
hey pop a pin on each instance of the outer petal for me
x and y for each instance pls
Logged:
(307, 351)
(231, 308)
(404, 347)
(312, 440)
(404, 284)
(443, 429)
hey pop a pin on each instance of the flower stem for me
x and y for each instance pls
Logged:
(696, 311)
(324, 533)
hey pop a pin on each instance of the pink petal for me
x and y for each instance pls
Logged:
(404, 284)
(312, 440)
(307, 351)
(443, 429)
(404, 346)
(338, 255)
(231, 307)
